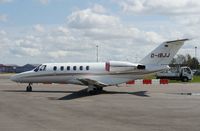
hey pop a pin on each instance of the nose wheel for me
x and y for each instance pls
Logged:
(29, 87)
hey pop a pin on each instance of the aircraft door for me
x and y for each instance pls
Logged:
(107, 66)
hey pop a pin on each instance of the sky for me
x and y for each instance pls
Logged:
(41, 31)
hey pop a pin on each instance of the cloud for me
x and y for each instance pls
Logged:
(39, 28)
(58, 54)
(44, 2)
(102, 26)
(2, 33)
(76, 39)
(24, 52)
(3, 17)
(4, 40)
(117, 40)
(5, 1)
(99, 8)
(170, 7)
(28, 46)
(63, 30)
(91, 18)
(169, 18)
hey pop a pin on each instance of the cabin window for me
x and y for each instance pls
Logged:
(68, 68)
(81, 68)
(55, 68)
(62, 68)
(87, 67)
(107, 66)
(74, 67)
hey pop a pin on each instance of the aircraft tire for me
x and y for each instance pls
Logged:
(29, 88)
(185, 79)
(99, 88)
(93, 92)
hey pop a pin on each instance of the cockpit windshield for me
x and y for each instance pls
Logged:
(40, 68)
(43, 67)
(37, 68)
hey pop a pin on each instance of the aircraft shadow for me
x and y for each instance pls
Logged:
(84, 93)
(38, 91)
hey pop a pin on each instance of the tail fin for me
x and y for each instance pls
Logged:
(164, 53)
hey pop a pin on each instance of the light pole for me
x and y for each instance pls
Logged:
(196, 52)
(97, 53)
(196, 55)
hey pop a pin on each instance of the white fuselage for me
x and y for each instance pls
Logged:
(102, 74)
(108, 73)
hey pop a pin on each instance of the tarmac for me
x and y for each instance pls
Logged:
(172, 107)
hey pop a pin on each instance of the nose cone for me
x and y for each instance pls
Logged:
(21, 77)
(14, 78)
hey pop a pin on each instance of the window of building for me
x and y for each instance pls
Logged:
(62, 68)
(87, 67)
(55, 68)
(68, 68)
(74, 67)
(81, 68)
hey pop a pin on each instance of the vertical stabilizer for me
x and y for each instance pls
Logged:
(164, 53)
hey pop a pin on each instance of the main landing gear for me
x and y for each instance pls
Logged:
(92, 90)
(29, 87)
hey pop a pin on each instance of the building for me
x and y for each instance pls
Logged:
(11, 68)
(26, 67)
(8, 68)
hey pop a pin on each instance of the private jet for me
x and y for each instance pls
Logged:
(98, 75)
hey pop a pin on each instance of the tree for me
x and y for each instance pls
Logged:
(194, 63)
(186, 60)
(181, 59)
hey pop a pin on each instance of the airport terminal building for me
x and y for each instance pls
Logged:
(11, 68)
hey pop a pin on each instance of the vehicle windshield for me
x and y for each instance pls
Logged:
(187, 70)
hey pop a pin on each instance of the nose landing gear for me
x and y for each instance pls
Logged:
(29, 87)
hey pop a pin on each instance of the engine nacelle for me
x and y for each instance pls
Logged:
(141, 67)
(120, 66)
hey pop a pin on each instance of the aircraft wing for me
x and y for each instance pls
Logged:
(87, 81)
